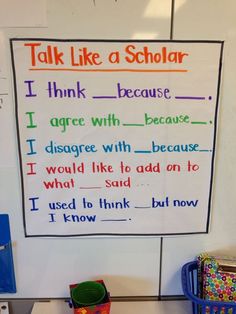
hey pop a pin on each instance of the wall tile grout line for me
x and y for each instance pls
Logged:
(162, 240)
(160, 269)
(172, 19)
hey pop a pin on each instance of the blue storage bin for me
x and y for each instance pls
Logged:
(200, 306)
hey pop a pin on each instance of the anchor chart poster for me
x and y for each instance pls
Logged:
(116, 137)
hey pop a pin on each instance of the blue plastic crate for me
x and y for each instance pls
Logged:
(200, 306)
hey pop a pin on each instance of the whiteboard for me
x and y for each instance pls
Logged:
(129, 266)
(116, 137)
(221, 238)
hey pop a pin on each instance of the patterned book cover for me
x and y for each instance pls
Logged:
(219, 279)
(216, 280)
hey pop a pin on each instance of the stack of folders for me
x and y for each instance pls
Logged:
(217, 278)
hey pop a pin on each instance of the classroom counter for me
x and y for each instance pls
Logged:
(141, 307)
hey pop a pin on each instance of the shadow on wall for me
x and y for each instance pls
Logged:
(120, 283)
(21, 306)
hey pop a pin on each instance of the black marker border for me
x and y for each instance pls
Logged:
(12, 40)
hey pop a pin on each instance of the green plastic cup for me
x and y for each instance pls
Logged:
(88, 293)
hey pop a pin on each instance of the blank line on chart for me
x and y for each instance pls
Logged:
(89, 187)
(142, 151)
(142, 207)
(133, 124)
(190, 97)
(3, 94)
(198, 122)
(104, 97)
(205, 150)
(105, 220)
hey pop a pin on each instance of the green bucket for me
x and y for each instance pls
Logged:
(88, 293)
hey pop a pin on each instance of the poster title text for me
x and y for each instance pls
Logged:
(82, 56)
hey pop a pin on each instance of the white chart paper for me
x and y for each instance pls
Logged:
(116, 137)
